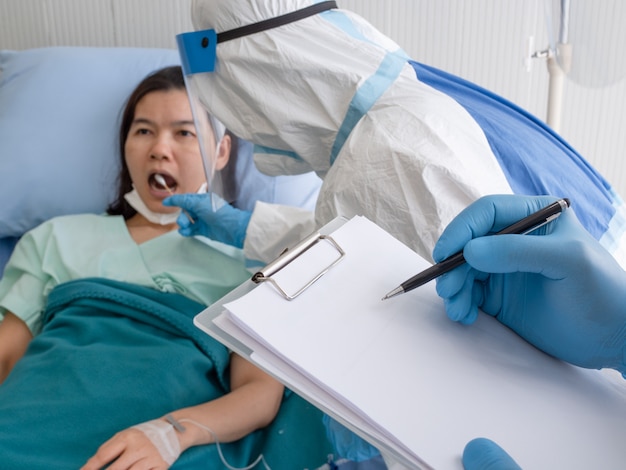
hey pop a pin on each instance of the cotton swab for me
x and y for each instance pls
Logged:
(159, 179)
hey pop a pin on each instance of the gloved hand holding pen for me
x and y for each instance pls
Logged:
(558, 288)
(227, 224)
(561, 290)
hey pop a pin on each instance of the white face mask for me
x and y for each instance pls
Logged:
(161, 218)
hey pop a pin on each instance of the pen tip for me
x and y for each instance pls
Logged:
(396, 291)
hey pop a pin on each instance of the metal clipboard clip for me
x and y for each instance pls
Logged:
(289, 255)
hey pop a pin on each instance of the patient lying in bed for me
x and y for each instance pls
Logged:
(97, 334)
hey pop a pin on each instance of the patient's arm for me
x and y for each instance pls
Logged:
(252, 403)
(14, 339)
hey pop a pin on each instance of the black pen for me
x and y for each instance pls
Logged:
(524, 226)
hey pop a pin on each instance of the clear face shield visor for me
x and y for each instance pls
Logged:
(219, 172)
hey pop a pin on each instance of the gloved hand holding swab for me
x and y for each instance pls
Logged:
(159, 179)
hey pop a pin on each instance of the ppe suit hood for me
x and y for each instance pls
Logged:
(268, 87)
(332, 94)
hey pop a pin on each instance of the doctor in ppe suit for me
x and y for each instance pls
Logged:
(329, 93)
(317, 88)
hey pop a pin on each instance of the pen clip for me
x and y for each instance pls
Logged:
(545, 222)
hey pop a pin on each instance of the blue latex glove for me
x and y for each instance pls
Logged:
(483, 454)
(227, 224)
(347, 444)
(557, 288)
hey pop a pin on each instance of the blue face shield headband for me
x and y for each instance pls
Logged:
(197, 49)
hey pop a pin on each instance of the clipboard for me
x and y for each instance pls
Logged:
(432, 381)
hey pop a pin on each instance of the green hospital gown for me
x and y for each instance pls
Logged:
(77, 246)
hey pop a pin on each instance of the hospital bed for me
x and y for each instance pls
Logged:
(58, 114)
(59, 110)
(536, 160)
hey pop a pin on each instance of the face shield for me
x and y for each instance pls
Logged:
(210, 132)
(198, 51)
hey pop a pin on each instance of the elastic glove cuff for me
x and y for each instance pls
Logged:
(163, 437)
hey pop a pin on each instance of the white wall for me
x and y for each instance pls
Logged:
(484, 41)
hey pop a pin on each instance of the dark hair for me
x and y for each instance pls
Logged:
(165, 79)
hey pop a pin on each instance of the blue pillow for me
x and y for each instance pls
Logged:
(59, 109)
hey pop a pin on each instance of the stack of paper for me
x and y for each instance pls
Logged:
(409, 380)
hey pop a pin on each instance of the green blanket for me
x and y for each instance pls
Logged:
(112, 355)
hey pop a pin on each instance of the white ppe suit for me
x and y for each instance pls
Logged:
(330, 93)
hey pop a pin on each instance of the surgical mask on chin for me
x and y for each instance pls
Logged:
(161, 218)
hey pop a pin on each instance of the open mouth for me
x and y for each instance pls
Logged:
(162, 182)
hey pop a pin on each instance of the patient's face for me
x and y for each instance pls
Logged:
(162, 141)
